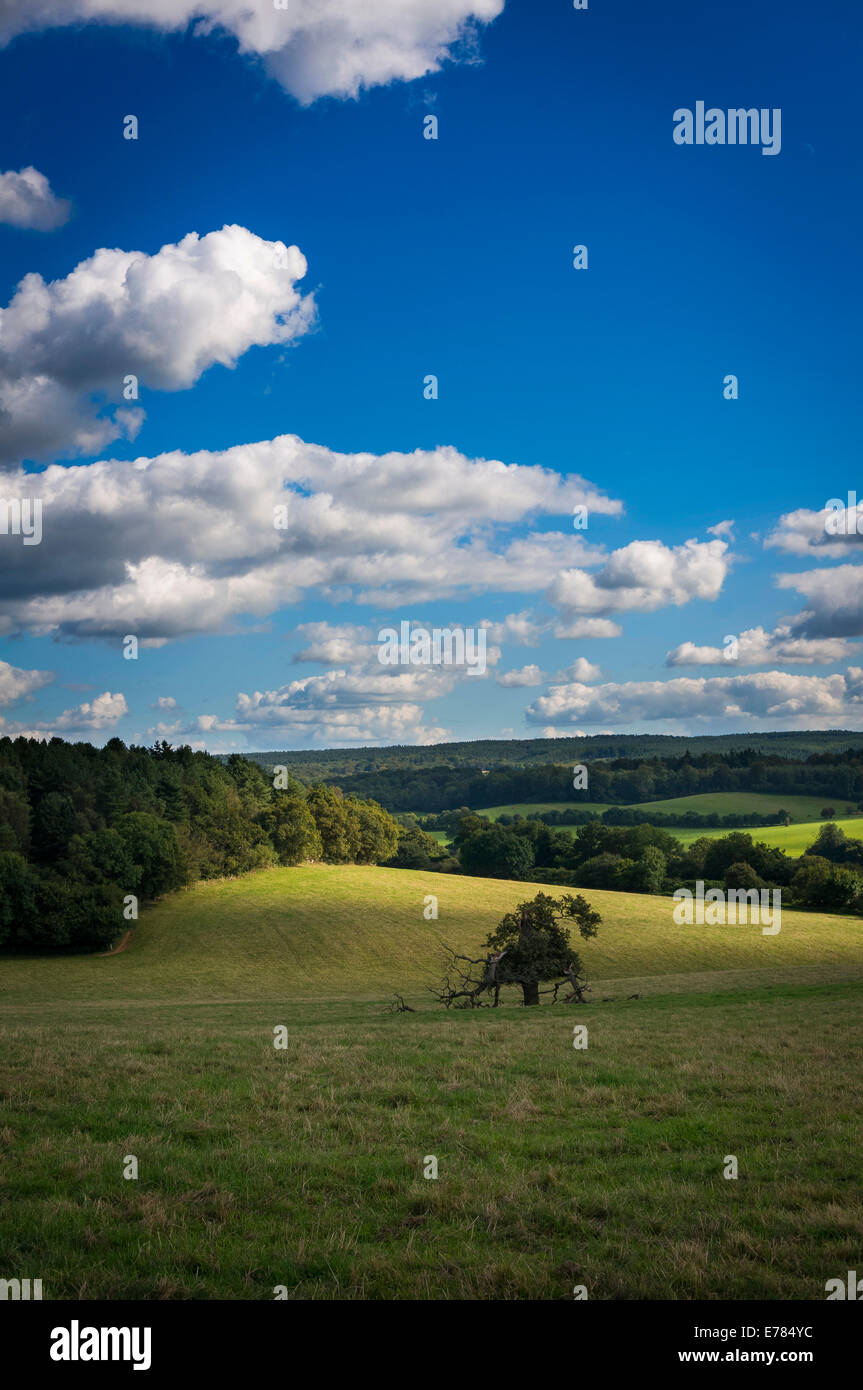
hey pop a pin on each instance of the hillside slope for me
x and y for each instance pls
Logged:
(349, 932)
(800, 808)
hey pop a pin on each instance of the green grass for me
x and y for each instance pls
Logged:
(800, 808)
(328, 932)
(534, 808)
(304, 1167)
(794, 839)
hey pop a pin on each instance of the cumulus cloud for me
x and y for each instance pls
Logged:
(334, 644)
(756, 647)
(525, 629)
(772, 696)
(26, 200)
(164, 702)
(519, 629)
(722, 529)
(578, 628)
(350, 689)
(334, 692)
(103, 712)
(186, 543)
(526, 675)
(835, 602)
(643, 576)
(300, 713)
(16, 684)
(581, 670)
(365, 701)
(67, 346)
(827, 534)
(313, 48)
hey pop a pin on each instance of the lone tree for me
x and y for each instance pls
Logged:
(530, 947)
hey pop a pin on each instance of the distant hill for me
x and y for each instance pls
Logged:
(312, 764)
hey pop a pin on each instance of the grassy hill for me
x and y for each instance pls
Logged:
(304, 1167)
(348, 932)
(794, 839)
(800, 808)
(535, 808)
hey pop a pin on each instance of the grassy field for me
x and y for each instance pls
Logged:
(534, 808)
(794, 839)
(800, 808)
(304, 1167)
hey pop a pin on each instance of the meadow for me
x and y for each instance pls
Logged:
(303, 1167)
(793, 839)
(800, 808)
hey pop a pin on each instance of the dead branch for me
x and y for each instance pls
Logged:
(576, 985)
(398, 1006)
(467, 978)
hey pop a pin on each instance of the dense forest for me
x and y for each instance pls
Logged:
(87, 834)
(321, 764)
(834, 775)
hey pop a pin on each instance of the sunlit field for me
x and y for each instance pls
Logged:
(557, 1166)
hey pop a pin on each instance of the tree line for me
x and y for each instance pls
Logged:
(84, 829)
(641, 859)
(835, 775)
(327, 763)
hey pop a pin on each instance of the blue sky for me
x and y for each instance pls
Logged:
(453, 257)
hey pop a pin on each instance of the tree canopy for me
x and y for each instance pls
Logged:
(84, 828)
(530, 946)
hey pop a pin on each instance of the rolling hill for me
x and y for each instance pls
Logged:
(800, 808)
(348, 932)
(794, 839)
(304, 1169)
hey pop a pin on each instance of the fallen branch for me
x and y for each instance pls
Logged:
(398, 1006)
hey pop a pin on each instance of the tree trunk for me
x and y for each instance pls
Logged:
(530, 992)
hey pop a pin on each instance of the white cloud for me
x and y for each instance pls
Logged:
(164, 702)
(26, 200)
(579, 628)
(334, 644)
(183, 543)
(66, 346)
(313, 47)
(581, 670)
(345, 690)
(643, 576)
(526, 675)
(755, 647)
(774, 697)
(835, 601)
(520, 629)
(289, 713)
(722, 529)
(364, 700)
(102, 712)
(16, 684)
(805, 532)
